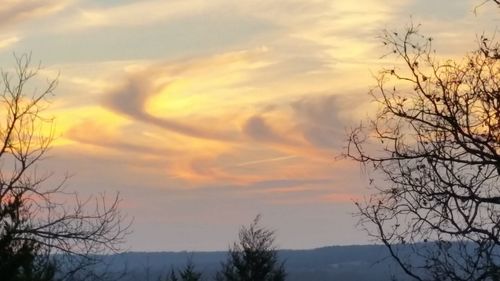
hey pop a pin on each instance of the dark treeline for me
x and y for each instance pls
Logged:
(348, 263)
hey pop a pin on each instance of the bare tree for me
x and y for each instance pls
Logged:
(34, 212)
(433, 150)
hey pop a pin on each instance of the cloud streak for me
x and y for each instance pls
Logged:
(131, 101)
(133, 13)
(14, 11)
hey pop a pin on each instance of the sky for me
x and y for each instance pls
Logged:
(203, 114)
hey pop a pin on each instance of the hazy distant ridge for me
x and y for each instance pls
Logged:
(348, 263)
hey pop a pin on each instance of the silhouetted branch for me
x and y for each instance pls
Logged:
(436, 143)
(34, 211)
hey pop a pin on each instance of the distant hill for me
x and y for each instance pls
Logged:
(338, 263)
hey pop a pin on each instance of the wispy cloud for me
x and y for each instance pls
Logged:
(8, 42)
(13, 11)
(262, 161)
(280, 99)
(137, 13)
(133, 99)
(219, 104)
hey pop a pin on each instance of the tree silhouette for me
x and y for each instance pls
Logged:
(19, 262)
(188, 273)
(37, 229)
(253, 257)
(434, 148)
(172, 276)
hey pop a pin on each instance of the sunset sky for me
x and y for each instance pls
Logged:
(203, 114)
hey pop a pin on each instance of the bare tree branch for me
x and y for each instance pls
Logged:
(32, 210)
(434, 146)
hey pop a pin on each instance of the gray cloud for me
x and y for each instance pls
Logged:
(257, 128)
(319, 119)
